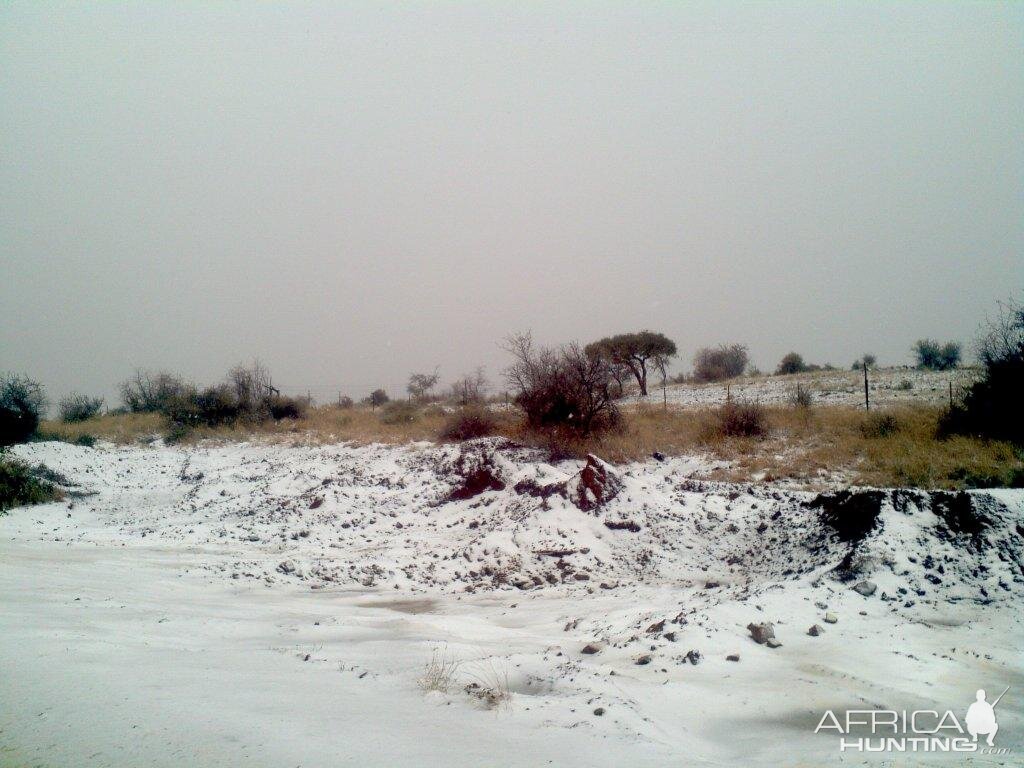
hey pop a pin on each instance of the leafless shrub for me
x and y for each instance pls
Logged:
(253, 390)
(722, 362)
(76, 407)
(471, 388)
(564, 387)
(148, 392)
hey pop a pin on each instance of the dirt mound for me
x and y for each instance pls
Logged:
(853, 514)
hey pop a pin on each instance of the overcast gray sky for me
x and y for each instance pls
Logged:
(354, 191)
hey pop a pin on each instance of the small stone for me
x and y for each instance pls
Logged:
(831, 618)
(773, 643)
(658, 456)
(599, 711)
(866, 588)
(761, 633)
(670, 636)
(643, 660)
(693, 657)
(816, 630)
(590, 649)
(733, 657)
(656, 628)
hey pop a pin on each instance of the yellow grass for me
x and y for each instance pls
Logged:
(121, 429)
(813, 447)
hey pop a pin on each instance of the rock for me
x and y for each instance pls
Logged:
(815, 630)
(670, 636)
(772, 643)
(658, 456)
(478, 469)
(598, 483)
(286, 566)
(693, 657)
(643, 660)
(761, 633)
(866, 588)
(590, 649)
(622, 525)
(831, 618)
(733, 657)
(656, 627)
(599, 711)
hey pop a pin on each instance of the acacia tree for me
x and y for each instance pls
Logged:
(420, 384)
(635, 351)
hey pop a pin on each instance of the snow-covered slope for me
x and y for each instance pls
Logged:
(586, 586)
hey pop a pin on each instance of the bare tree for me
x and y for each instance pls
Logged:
(471, 388)
(565, 387)
(146, 391)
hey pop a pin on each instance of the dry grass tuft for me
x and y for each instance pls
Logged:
(439, 674)
(117, 428)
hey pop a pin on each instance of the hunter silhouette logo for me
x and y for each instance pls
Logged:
(981, 717)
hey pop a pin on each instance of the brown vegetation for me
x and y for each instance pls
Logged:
(813, 448)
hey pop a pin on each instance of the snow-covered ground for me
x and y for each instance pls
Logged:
(251, 604)
(886, 387)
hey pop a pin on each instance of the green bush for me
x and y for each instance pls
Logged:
(741, 420)
(468, 423)
(22, 404)
(284, 407)
(934, 356)
(791, 363)
(719, 363)
(993, 407)
(21, 485)
(399, 412)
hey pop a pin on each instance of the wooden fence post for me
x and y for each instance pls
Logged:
(867, 398)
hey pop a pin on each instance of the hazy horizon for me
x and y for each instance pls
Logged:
(351, 193)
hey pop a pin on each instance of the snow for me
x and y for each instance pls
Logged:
(886, 387)
(261, 604)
